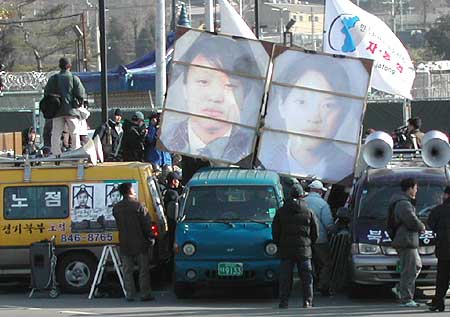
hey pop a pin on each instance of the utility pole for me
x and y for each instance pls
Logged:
(394, 27)
(173, 19)
(401, 15)
(84, 28)
(160, 37)
(312, 29)
(257, 19)
(209, 15)
(104, 67)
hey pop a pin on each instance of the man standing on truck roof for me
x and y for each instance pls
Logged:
(72, 93)
(406, 239)
(294, 231)
(136, 238)
(321, 249)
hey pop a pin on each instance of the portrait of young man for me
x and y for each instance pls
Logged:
(214, 96)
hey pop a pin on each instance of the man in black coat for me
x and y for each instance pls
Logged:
(294, 231)
(171, 196)
(133, 139)
(135, 236)
(110, 134)
(439, 222)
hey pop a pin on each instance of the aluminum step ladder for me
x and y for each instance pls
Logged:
(108, 250)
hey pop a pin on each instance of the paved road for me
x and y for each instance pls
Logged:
(231, 302)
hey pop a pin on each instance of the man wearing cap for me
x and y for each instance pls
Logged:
(72, 93)
(321, 250)
(294, 231)
(133, 139)
(439, 222)
(110, 134)
(152, 153)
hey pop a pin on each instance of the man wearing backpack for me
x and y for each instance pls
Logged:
(71, 92)
(406, 239)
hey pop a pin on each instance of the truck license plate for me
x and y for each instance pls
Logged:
(230, 269)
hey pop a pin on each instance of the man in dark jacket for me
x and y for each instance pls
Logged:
(72, 93)
(110, 134)
(133, 139)
(406, 240)
(171, 203)
(294, 231)
(171, 195)
(439, 222)
(135, 236)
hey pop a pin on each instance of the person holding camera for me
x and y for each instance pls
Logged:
(71, 92)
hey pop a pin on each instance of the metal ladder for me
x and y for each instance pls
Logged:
(108, 250)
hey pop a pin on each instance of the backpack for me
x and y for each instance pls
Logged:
(50, 104)
(392, 224)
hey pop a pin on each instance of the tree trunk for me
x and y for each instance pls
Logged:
(38, 58)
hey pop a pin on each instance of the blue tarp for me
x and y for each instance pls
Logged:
(136, 76)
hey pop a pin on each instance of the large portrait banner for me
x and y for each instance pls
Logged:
(215, 94)
(314, 114)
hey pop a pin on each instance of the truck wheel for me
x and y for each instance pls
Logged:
(183, 290)
(75, 272)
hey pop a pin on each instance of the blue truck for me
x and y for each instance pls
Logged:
(224, 235)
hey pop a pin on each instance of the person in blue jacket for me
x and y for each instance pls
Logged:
(152, 153)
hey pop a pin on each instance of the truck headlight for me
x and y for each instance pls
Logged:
(189, 249)
(271, 248)
(427, 250)
(389, 250)
(369, 249)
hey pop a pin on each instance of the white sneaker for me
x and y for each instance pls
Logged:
(411, 303)
(396, 292)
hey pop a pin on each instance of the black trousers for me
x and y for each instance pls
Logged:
(442, 280)
(304, 267)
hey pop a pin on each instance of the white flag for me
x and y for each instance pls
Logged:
(349, 30)
(232, 23)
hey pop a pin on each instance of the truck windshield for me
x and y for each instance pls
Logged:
(230, 203)
(375, 199)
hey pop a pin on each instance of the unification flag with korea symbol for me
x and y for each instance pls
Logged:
(351, 31)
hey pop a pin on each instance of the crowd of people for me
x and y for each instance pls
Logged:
(301, 228)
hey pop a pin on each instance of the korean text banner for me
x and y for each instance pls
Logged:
(351, 31)
(314, 115)
(214, 96)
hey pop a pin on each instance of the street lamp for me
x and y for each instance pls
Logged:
(289, 25)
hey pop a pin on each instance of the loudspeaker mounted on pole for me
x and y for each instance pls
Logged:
(378, 149)
(435, 149)
(86, 151)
